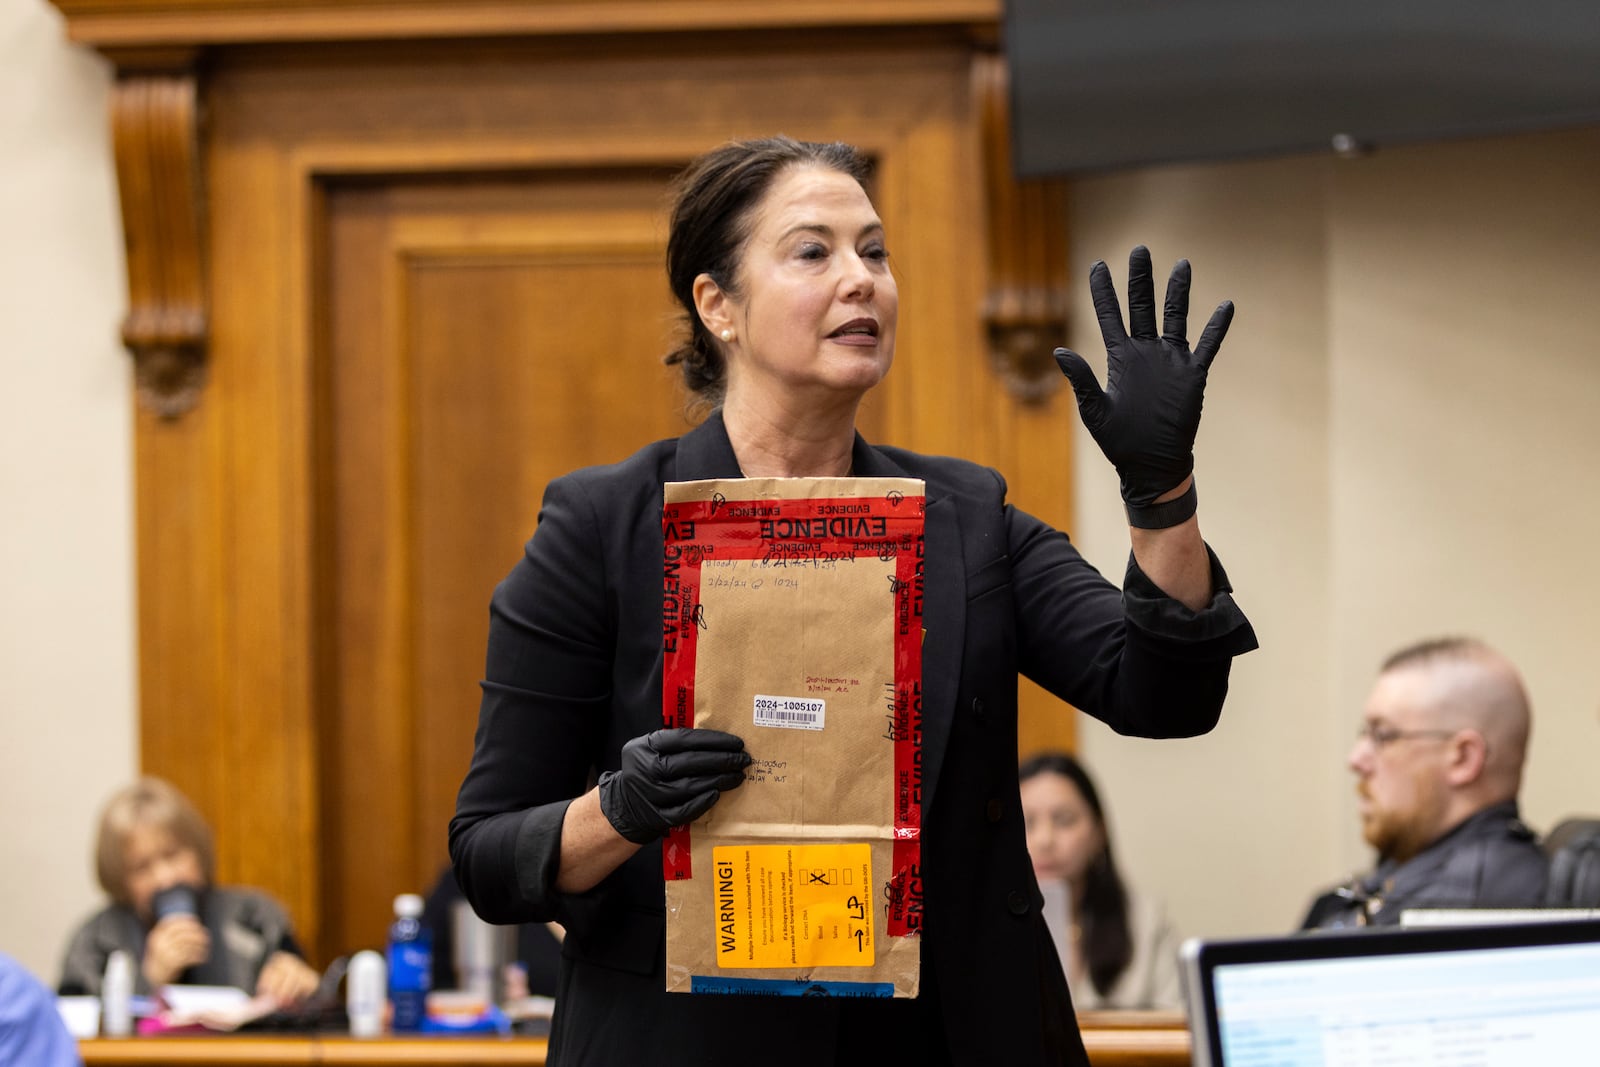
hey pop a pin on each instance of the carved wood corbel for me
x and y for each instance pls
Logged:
(1025, 311)
(155, 122)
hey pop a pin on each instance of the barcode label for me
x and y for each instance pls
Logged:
(794, 713)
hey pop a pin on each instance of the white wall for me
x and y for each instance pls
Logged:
(67, 711)
(1255, 233)
(1399, 441)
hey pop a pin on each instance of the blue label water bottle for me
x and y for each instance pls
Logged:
(410, 964)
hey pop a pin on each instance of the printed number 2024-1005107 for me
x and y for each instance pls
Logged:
(795, 713)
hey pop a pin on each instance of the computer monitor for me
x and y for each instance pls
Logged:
(1490, 996)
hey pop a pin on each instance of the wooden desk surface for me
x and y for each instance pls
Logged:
(241, 1050)
(1113, 1039)
(1137, 1048)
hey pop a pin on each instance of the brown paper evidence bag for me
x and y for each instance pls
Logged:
(792, 617)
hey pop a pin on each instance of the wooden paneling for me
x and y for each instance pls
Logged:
(155, 125)
(432, 280)
(123, 23)
(1025, 312)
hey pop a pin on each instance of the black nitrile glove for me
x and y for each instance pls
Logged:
(668, 778)
(1146, 419)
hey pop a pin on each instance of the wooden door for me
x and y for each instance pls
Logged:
(483, 337)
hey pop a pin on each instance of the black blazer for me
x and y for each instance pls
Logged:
(574, 671)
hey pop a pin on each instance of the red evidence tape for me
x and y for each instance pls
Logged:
(800, 532)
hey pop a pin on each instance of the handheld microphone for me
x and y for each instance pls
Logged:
(175, 900)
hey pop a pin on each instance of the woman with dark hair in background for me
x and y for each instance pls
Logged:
(1124, 952)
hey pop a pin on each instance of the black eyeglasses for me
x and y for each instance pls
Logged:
(1381, 734)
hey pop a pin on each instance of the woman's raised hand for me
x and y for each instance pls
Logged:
(1146, 418)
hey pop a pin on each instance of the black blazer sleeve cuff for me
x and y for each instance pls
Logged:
(536, 855)
(1217, 631)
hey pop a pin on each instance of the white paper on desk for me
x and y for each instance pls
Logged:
(213, 1007)
(81, 1015)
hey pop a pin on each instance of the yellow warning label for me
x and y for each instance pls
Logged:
(793, 905)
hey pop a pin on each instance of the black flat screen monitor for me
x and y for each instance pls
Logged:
(1106, 84)
(1511, 995)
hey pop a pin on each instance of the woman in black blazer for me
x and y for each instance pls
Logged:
(779, 261)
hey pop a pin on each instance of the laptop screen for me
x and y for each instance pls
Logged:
(1485, 996)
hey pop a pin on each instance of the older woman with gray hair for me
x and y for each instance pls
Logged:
(154, 859)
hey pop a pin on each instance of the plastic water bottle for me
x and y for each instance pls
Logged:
(365, 989)
(410, 964)
(116, 996)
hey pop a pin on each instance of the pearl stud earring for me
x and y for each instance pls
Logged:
(727, 335)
